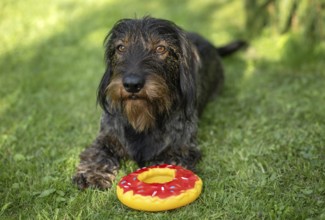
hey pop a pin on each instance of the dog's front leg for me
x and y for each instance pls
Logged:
(186, 157)
(99, 163)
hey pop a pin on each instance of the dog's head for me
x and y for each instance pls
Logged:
(150, 71)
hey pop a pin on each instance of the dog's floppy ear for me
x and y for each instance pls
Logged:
(101, 91)
(189, 64)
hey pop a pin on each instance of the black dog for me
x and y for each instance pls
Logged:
(156, 84)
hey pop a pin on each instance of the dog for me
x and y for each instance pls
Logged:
(157, 81)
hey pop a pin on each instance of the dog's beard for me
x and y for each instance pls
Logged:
(141, 109)
(139, 113)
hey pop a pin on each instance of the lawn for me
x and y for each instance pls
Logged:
(263, 139)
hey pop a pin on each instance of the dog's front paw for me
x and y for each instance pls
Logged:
(95, 179)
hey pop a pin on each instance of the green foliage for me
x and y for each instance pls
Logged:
(303, 17)
(257, 15)
(311, 19)
(263, 138)
(285, 12)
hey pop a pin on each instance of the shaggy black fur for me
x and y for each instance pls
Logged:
(157, 81)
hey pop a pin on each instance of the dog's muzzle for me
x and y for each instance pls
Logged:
(133, 83)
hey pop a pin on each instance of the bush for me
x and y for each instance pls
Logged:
(303, 17)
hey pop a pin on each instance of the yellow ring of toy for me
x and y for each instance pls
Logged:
(154, 203)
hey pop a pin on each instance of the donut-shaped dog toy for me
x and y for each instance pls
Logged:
(158, 188)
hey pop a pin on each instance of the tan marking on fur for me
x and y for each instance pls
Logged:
(141, 111)
(140, 114)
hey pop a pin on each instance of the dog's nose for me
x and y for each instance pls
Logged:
(133, 83)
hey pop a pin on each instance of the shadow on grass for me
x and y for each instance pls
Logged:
(298, 51)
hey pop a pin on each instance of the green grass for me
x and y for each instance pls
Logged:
(263, 139)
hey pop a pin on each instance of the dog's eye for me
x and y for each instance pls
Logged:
(160, 49)
(121, 48)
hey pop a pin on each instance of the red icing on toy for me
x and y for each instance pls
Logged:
(184, 180)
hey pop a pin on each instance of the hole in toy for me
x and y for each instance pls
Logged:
(157, 175)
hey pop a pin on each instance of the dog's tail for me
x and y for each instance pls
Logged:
(232, 47)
